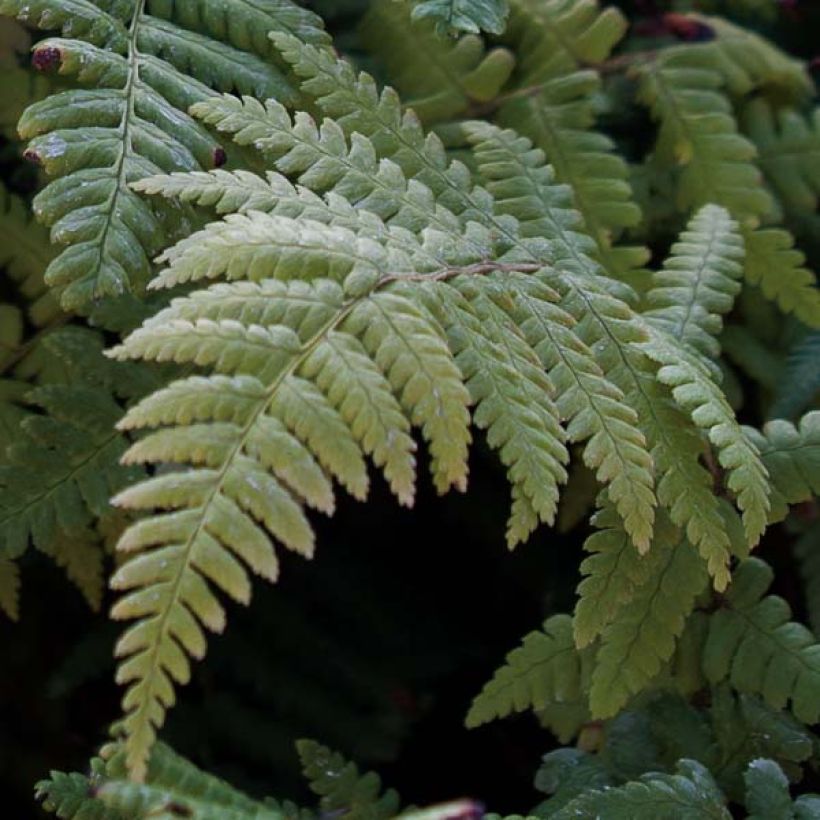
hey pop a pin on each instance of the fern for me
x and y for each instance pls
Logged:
(148, 62)
(556, 41)
(690, 792)
(752, 643)
(174, 788)
(340, 786)
(438, 78)
(641, 637)
(790, 454)
(545, 669)
(699, 135)
(698, 282)
(464, 15)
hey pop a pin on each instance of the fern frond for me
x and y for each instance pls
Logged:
(146, 71)
(341, 787)
(695, 391)
(641, 635)
(698, 134)
(788, 147)
(791, 454)
(748, 61)
(778, 269)
(173, 787)
(438, 78)
(525, 188)
(799, 384)
(745, 728)
(698, 281)
(752, 643)
(512, 400)
(337, 370)
(71, 797)
(545, 669)
(463, 15)
(59, 477)
(698, 137)
(767, 791)
(271, 128)
(9, 588)
(556, 42)
(690, 792)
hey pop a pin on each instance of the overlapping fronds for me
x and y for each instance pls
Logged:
(754, 645)
(699, 139)
(371, 289)
(173, 788)
(463, 15)
(146, 63)
(438, 78)
(640, 635)
(788, 148)
(555, 43)
(341, 788)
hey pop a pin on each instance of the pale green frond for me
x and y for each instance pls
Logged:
(698, 281)
(438, 77)
(695, 392)
(641, 637)
(404, 344)
(512, 398)
(452, 16)
(689, 793)
(258, 246)
(343, 370)
(754, 645)
(525, 188)
(713, 163)
(545, 669)
(340, 786)
(791, 454)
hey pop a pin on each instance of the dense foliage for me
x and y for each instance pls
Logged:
(256, 254)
